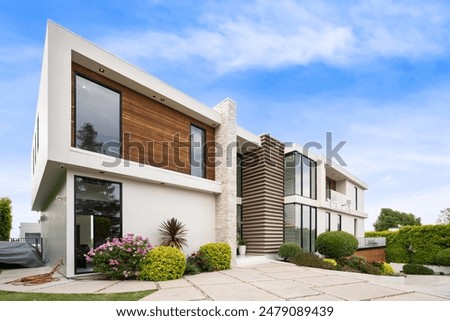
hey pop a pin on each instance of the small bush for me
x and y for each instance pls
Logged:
(355, 263)
(336, 244)
(217, 254)
(443, 257)
(197, 263)
(386, 269)
(289, 250)
(312, 260)
(331, 261)
(163, 263)
(359, 264)
(418, 269)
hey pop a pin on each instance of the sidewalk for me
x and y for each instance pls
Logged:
(268, 281)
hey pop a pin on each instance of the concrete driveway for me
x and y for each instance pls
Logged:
(266, 281)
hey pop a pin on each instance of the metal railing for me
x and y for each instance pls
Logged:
(35, 242)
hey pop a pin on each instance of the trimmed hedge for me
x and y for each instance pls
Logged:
(415, 244)
(443, 257)
(163, 263)
(336, 244)
(217, 254)
(288, 250)
(418, 269)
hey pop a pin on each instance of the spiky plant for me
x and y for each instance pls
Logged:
(173, 233)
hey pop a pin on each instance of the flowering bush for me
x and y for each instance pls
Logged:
(120, 259)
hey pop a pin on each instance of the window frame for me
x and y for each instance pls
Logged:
(74, 92)
(75, 177)
(203, 148)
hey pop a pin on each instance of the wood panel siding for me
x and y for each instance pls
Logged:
(152, 133)
(263, 197)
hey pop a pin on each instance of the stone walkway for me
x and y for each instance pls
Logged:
(271, 281)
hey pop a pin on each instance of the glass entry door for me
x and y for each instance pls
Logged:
(98, 216)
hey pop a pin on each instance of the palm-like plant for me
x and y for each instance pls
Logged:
(173, 233)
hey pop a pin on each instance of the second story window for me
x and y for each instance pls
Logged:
(299, 175)
(97, 117)
(197, 152)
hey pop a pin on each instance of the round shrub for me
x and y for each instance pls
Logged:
(386, 269)
(288, 250)
(443, 257)
(217, 254)
(418, 269)
(336, 244)
(163, 263)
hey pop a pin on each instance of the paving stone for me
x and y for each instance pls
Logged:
(176, 294)
(286, 288)
(237, 292)
(359, 291)
(329, 280)
(129, 286)
(415, 296)
(320, 297)
(211, 278)
(248, 275)
(81, 287)
(174, 284)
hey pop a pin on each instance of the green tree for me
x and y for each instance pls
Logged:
(444, 217)
(389, 218)
(5, 218)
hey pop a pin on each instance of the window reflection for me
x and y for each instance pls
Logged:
(97, 118)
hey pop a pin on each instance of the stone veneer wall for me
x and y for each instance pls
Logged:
(226, 162)
(263, 197)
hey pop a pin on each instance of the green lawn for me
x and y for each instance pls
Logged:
(24, 296)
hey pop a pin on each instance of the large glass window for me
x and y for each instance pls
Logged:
(299, 175)
(339, 222)
(197, 152)
(98, 216)
(300, 223)
(356, 198)
(289, 174)
(97, 117)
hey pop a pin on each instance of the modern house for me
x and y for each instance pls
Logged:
(117, 151)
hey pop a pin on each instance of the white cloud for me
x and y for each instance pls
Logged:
(276, 34)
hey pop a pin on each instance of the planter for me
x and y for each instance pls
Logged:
(242, 249)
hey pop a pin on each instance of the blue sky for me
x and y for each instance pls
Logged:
(374, 73)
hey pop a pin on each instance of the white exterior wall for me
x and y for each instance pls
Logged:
(26, 227)
(145, 206)
(54, 226)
